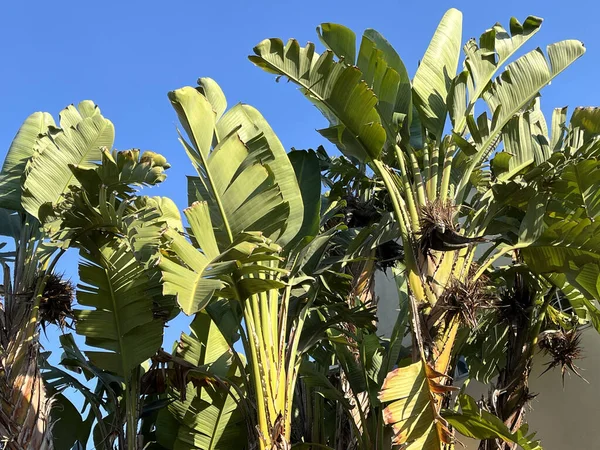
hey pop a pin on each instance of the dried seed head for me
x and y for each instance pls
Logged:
(514, 304)
(437, 216)
(388, 254)
(467, 299)
(564, 346)
(438, 230)
(360, 213)
(57, 301)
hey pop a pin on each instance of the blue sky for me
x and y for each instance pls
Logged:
(125, 55)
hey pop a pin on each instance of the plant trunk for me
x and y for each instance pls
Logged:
(509, 399)
(25, 414)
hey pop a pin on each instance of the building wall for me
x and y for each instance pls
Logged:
(564, 419)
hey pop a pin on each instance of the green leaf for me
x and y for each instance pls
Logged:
(122, 172)
(391, 58)
(485, 352)
(194, 279)
(480, 424)
(210, 418)
(313, 378)
(184, 277)
(213, 92)
(114, 284)
(79, 142)
(19, 153)
(253, 127)
(211, 421)
(532, 225)
(340, 40)
(581, 300)
(246, 178)
(578, 186)
(372, 356)
(559, 119)
(518, 142)
(564, 246)
(308, 173)
(335, 88)
(516, 88)
(67, 422)
(495, 47)
(434, 76)
(587, 120)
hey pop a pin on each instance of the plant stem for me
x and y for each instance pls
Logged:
(257, 379)
(131, 408)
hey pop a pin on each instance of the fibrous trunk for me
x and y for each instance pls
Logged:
(25, 414)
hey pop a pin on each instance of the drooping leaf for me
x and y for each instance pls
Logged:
(194, 276)
(477, 423)
(412, 410)
(513, 90)
(340, 40)
(335, 88)
(67, 422)
(210, 417)
(483, 59)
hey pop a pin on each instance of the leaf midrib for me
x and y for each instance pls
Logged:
(117, 322)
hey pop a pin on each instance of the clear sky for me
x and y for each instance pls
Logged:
(126, 55)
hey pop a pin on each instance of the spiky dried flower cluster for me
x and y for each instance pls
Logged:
(514, 303)
(466, 299)
(435, 217)
(439, 231)
(564, 346)
(57, 302)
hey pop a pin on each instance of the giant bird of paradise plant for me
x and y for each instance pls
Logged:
(264, 260)
(484, 184)
(62, 187)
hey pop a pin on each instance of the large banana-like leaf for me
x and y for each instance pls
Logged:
(413, 394)
(335, 88)
(482, 61)
(194, 276)
(103, 206)
(20, 151)
(577, 187)
(578, 296)
(83, 133)
(210, 417)
(526, 142)
(516, 87)
(434, 76)
(381, 66)
(122, 322)
(246, 177)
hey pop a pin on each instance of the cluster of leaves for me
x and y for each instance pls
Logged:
(263, 260)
